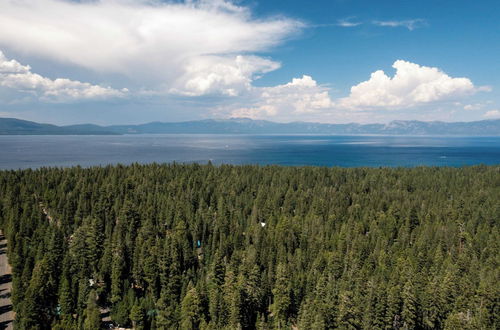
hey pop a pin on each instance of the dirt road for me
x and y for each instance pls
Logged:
(6, 313)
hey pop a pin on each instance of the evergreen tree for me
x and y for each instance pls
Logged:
(137, 316)
(92, 313)
(281, 297)
(191, 310)
(409, 313)
(178, 246)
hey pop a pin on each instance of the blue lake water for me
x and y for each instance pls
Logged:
(348, 151)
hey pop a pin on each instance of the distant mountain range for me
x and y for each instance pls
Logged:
(11, 126)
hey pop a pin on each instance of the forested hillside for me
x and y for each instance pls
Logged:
(231, 247)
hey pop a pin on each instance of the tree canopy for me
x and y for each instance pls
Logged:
(250, 247)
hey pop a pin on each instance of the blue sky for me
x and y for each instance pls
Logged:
(126, 61)
(461, 37)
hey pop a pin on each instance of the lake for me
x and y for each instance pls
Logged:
(32, 151)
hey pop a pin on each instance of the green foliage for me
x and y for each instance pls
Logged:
(92, 314)
(249, 247)
(281, 297)
(137, 316)
(191, 310)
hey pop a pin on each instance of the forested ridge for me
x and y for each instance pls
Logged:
(249, 247)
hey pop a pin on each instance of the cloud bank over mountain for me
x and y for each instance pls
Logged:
(411, 86)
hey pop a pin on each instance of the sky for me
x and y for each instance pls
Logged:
(332, 61)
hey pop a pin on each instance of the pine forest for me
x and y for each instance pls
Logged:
(189, 246)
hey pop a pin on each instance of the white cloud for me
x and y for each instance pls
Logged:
(412, 90)
(225, 75)
(305, 81)
(152, 42)
(288, 101)
(412, 85)
(410, 24)
(347, 22)
(14, 75)
(12, 66)
(259, 112)
(473, 107)
(492, 114)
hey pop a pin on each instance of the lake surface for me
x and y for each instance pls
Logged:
(32, 151)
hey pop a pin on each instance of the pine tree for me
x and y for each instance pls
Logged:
(217, 308)
(92, 313)
(281, 297)
(117, 269)
(66, 301)
(137, 316)
(409, 313)
(37, 310)
(232, 299)
(191, 310)
(168, 311)
(393, 311)
(347, 317)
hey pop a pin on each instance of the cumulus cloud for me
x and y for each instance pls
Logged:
(411, 85)
(292, 100)
(14, 75)
(12, 66)
(410, 24)
(412, 88)
(493, 114)
(225, 75)
(152, 42)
